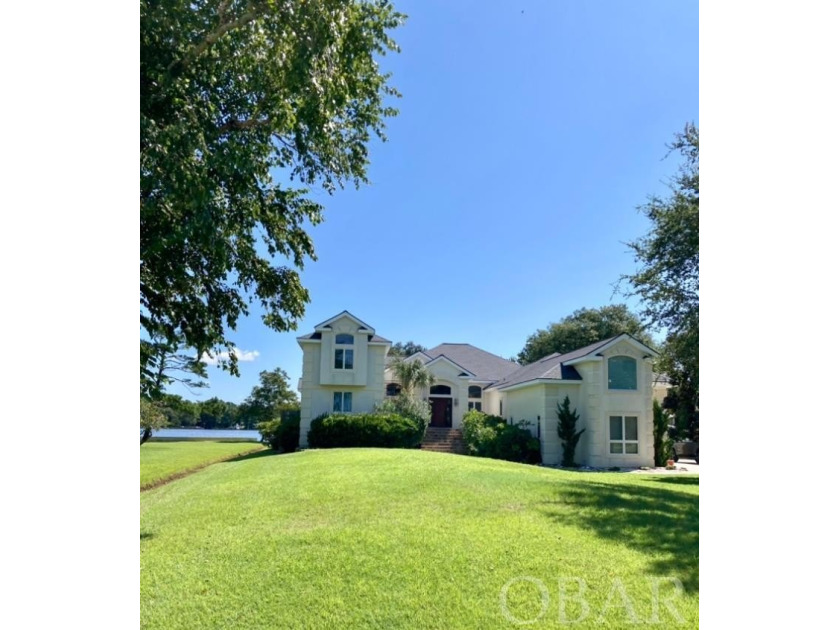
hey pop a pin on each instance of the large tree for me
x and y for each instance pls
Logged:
(236, 98)
(581, 328)
(668, 279)
(269, 398)
(163, 362)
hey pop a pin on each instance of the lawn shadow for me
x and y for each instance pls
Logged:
(677, 480)
(660, 522)
(256, 455)
(146, 535)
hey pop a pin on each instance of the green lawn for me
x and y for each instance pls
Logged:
(162, 460)
(372, 538)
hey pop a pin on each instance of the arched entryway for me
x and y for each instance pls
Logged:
(440, 397)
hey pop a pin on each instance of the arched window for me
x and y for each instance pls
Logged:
(474, 391)
(393, 389)
(344, 339)
(622, 373)
(440, 390)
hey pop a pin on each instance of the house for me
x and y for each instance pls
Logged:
(610, 383)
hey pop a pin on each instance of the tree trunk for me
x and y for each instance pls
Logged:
(147, 433)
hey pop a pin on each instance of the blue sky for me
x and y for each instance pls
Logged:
(528, 134)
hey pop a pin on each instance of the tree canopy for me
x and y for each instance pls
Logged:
(405, 349)
(581, 328)
(236, 95)
(270, 397)
(668, 278)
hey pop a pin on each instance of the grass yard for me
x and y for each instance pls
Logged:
(372, 538)
(163, 460)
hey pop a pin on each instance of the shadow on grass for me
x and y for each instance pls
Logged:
(660, 522)
(146, 535)
(247, 456)
(679, 481)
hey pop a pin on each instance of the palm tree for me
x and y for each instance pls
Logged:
(411, 375)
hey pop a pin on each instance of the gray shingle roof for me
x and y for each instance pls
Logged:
(551, 367)
(485, 366)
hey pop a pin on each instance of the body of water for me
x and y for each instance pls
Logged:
(207, 434)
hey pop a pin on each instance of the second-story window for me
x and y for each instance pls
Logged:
(343, 355)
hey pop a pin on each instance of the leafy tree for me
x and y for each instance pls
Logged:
(406, 349)
(234, 94)
(270, 397)
(567, 431)
(151, 419)
(668, 279)
(179, 412)
(412, 375)
(216, 413)
(164, 362)
(581, 328)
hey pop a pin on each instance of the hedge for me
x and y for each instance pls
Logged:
(364, 430)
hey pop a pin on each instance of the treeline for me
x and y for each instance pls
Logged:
(214, 413)
(267, 401)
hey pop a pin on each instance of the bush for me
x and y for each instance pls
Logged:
(409, 407)
(282, 434)
(491, 436)
(662, 435)
(385, 430)
(567, 431)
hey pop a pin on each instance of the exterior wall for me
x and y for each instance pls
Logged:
(359, 374)
(320, 380)
(599, 403)
(660, 390)
(490, 399)
(552, 449)
(526, 404)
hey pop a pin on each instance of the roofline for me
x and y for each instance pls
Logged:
(323, 324)
(538, 381)
(630, 338)
(443, 356)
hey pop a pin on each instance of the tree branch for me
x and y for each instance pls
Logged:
(212, 38)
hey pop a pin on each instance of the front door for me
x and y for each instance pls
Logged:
(441, 412)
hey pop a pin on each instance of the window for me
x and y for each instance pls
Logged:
(622, 372)
(624, 435)
(474, 391)
(440, 390)
(343, 401)
(393, 389)
(344, 356)
(500, 409)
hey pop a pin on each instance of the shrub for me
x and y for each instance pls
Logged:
(491, 436)
(152, 418)
(566, 430)
(283, 433)
(662, 435)
(364, 430)
(418, 411)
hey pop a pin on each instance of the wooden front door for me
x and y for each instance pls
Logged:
(441, 412)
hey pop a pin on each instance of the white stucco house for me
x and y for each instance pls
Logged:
(610, 383)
